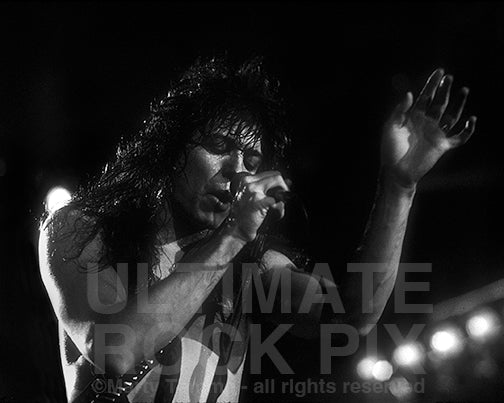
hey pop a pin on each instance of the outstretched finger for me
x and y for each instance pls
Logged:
(454, 110)
(428, 90)
(441, 99)
(399, 113)
(466, 133)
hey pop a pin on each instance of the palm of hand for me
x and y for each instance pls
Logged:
(417, 136)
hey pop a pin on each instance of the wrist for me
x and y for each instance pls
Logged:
(230, 230)
(392, 182)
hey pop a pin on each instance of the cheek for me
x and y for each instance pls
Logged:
(202, 166)
(207, 165)
(199, 169)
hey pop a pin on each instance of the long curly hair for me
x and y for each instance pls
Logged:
(122, 204)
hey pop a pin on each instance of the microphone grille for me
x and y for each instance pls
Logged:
(236, 180)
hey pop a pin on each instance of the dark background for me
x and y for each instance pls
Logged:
(74, 78)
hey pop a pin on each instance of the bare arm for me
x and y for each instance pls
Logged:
(172, 302)
(381, 244)
(415, 138)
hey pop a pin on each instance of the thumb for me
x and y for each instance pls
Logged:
(399, 113)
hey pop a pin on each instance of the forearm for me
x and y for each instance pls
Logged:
(173, 301)
(382, 245)
(415, 137)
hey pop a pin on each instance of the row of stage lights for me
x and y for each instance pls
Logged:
(446, 342)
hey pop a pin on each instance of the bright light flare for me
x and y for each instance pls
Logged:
(56, 198)
(365, 367)
(409, 354)
(400, 387)
(447, 341)
(482, 325)
(382, 370)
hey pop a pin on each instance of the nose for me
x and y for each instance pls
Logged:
(233, 164)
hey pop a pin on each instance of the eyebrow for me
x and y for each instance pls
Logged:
(242, 143)
(254, 151)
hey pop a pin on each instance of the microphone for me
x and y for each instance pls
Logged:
(293, 227)
(277, 192)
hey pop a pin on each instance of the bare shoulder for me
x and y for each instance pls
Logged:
(294, 261)
(76, 281)
(70, 252)
(273, 259)
(69, 235)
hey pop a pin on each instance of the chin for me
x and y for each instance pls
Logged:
(209, 220)
(217, 220)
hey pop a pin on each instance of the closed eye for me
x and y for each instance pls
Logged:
(252, 159)
(218, 144)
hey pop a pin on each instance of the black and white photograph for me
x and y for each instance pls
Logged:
(237, 202)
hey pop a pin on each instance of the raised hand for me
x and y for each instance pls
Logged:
(417, 135)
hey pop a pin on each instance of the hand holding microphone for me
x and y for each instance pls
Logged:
(254, 196)
(277, 192)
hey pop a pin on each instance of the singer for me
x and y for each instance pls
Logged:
(135, 265)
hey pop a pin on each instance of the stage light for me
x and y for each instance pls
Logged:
(400, 387)
(365, 367)
(447, 341)
(56, 198)
(409, 354)
(382, 370)
(482, 325)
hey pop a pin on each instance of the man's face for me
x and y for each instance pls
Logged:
(203, 188)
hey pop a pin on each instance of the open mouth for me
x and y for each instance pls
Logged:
(222, 199)
(223, 196)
